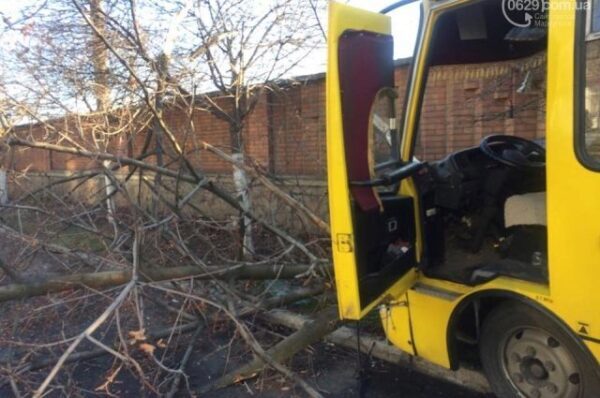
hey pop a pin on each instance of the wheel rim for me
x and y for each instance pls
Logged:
(539, 366)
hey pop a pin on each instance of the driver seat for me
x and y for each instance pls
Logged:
(525, 209)
(526, 247)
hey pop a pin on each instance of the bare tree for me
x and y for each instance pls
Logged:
(108, 220)
(253, 49)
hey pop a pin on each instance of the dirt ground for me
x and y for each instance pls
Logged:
(330, 369)
(30, 330)
(336, 376)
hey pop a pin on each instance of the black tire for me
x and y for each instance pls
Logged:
(526, 353)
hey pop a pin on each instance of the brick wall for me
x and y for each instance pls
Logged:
(464, 103)
(286, 131)
(298, 129)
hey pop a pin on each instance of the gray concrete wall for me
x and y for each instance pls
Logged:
(312, 193)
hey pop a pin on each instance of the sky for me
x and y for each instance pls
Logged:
(405, 22)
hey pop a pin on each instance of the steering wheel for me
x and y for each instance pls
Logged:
(514, 151)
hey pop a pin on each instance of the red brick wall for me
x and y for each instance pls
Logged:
(298, 130)
(200, 125)
(256, 133)
(286, 131)
(464, 103)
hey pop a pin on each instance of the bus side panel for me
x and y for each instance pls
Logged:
(573, 191)
(395, 318)
(429, 317)
(433, 303)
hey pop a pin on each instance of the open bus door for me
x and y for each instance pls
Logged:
(373, 224)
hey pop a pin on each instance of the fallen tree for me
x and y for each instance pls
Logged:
(194, 324)
(309, 333)
(126, 230)
(102, 280)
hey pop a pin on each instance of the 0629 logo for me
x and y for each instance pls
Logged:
(525, 13)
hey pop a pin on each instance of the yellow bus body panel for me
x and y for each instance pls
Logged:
(573, 191)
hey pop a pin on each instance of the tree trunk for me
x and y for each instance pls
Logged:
(242, 191)
(99, 58)
(157, 129)
(3, 187)
(101, 280)
(110, 190)
(310, 333)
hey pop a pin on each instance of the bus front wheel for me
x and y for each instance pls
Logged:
(525, 353)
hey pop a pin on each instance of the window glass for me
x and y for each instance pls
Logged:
(595, 17)
(383, 127)
(591, 92)
(480, 87)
